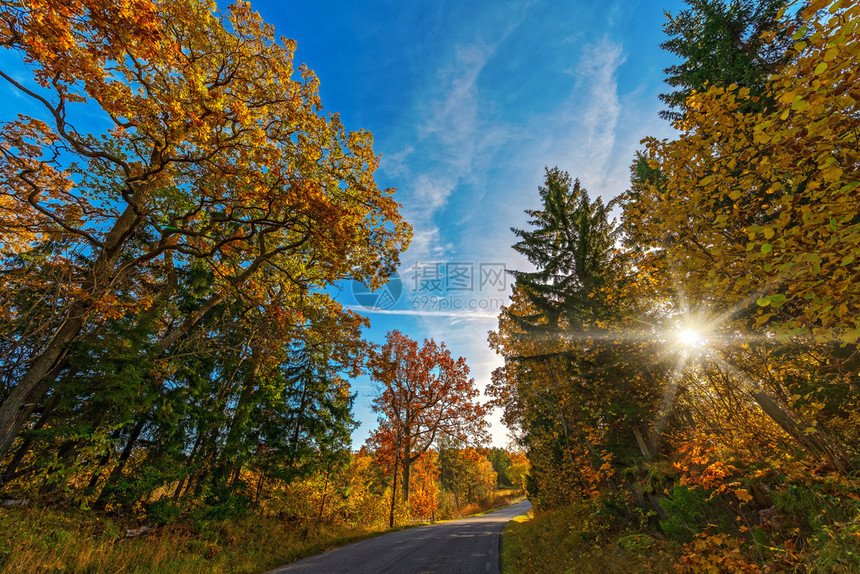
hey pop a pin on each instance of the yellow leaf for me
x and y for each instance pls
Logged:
(743, 495)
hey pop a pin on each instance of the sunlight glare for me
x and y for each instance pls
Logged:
(691, 338)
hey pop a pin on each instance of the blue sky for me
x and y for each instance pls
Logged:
(468, 101)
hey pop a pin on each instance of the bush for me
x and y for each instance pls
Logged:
(225, 506)
(689, 511)
(162, 512)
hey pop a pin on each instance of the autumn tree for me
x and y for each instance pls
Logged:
(518, 470)
(768, 198)
(425, 486)
(725, 342)
(424, 394)
(465, 472)
(218, 158)
(501, 463)
(758, 209)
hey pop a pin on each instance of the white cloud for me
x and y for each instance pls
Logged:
(430, 192)
(459, 314)
(427, 243)
(594, 107)
(454, 144)
(394, 164)
(449, 121)
(581, 136)
(451, 116)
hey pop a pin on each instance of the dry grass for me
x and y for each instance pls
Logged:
(449, 510)
(499, 499)
(48, 540)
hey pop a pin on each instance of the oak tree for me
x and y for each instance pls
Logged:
(424, 394)
(218, 155)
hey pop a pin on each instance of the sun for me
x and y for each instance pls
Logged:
(690, 338)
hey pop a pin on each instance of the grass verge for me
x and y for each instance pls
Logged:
(565, 541)
(51, 540)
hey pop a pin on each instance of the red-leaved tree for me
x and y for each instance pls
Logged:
(424, 394)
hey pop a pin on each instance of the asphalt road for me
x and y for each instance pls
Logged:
(465, 546)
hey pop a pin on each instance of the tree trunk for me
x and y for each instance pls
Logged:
(393, 491)
(238, 426)
(813, 442)
(407, 465)
(234, 478)
(643, 446)
(190, 462)
(19, 404)
(394, 485)
(178, 490)
(260, 483)
(25, 446)
(25, 396)
(94, 480)
(116, 473)
(298, 428)
(324, 493)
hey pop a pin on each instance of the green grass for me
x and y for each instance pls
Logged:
(564, 541)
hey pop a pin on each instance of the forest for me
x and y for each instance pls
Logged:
(174, 376)
(684, 379)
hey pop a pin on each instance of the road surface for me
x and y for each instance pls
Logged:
(465, 546)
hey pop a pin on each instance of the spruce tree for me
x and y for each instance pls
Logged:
(722, 43)
(572, 250)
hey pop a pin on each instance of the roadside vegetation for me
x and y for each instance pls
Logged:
(175, 377)
(54, 540)
(51, 539)
(687, 375)
(574, 539)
